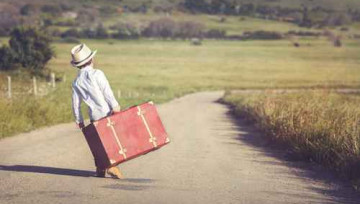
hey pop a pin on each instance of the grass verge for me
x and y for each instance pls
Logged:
(323, 127)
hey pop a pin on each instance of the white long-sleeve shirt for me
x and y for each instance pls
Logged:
(92, 87)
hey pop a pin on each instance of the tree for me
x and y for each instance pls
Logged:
(31, 47)
(7, 57)
(51, 9)
(196, 6)
(126, 31)
(28, 10)
(72, 32)
(306, 21)
(101, 32)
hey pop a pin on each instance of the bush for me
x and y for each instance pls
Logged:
(196, 6)
(108, 10)
(163, 27)
(126, 31)
(51, 9)
(88, 33)
(28, 10)
(55, 32)
(168, 28)
(304, 33)
(215, 33)
(188, 29)
(235, 37)
(7, 57)
(31, 47)
(72, 32)
(263, 35)
(101, 32)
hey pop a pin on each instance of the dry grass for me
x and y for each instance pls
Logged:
(320, 126)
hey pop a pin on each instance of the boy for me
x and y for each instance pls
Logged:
(92, 87)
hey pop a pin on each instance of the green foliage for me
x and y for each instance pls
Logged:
(196, 6)
(28, 9)
(263, 35)
(108, 10)
(7, 57)
(31, 47)
(72, 32)
(51, 9)
(168, 28)
(126, 31)
(215, 33)
(101, 32)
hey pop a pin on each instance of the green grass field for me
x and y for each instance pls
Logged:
(177, 66)
(162, 70)
(234, 25)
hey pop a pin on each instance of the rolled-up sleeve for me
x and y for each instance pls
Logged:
(76, 105)
(106, 90)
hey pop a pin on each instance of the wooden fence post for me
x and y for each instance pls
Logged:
(64, 78)
(9, 86)
(53, 80)
(119, 93)
(35, 86)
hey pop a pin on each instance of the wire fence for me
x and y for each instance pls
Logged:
(12, 89)
(16, 89)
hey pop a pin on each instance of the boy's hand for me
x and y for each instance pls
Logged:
(80, 125)
(116, 109)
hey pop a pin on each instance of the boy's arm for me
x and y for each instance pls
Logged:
(107, 92)
(76, 107)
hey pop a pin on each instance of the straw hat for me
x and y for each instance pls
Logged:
(81, 54)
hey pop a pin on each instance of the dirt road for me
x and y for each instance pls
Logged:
(212, 159)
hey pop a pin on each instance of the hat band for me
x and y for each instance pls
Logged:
(78, 62)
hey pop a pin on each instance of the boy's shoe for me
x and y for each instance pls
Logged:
(115, 173)
(100, 172)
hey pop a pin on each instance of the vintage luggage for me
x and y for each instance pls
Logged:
(125, 135)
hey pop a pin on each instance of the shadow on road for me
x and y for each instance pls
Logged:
(47, 170)
(339, 192)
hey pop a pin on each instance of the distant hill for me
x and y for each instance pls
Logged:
(328, 4)
(339, 5)
(70, 13)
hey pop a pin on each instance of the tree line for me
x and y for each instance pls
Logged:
(304, 16)
(66, 14)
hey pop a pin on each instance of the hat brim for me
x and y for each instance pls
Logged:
(78, 64)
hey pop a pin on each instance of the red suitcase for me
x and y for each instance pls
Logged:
(125, 135)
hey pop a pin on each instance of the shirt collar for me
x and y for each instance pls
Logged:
(87, 68)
